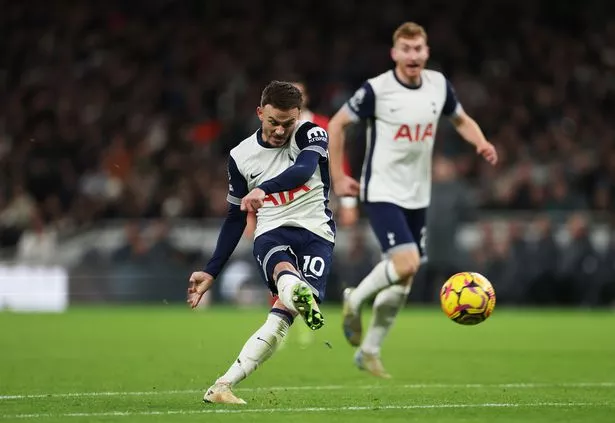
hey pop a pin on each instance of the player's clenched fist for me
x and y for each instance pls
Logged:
(253, 201)
(487, 150)
(346, 186)
(199, 283)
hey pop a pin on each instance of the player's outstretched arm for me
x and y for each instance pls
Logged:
(230, 234)
(471, 132)
(466, 126)
(343, 184)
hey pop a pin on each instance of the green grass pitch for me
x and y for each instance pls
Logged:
(151, 364)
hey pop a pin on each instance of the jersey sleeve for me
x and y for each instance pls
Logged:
(451, 107)
(298, 174)
(311, 137)
(362, 104)
(230, 234)
(237, 184)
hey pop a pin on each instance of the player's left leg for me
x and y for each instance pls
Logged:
(281, 254)
(386, 306)
(259, 347)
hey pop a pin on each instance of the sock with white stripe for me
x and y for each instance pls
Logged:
(387, 304)
(381, 277)
(259, 347)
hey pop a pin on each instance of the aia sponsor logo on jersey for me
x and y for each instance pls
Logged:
(283, 197)
(414, 133)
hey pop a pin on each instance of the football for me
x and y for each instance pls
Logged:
(467, 298)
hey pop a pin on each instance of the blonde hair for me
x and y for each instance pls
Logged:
(409, 30)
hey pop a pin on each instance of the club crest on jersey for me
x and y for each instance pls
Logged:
(414, 133)
(317, 134)
(283, 197)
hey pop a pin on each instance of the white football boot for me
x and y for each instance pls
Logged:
(370, 363)
(221, 393)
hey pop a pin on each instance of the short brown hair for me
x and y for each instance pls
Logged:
(409, 30)
(281, 95)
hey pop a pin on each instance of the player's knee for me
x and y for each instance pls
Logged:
(406, 264)
(284, 265)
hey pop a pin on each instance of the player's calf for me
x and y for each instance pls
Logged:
(351, 320)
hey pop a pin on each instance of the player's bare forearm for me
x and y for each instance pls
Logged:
(343, 185)
(469, 129)
(337, 140)
(471, 132)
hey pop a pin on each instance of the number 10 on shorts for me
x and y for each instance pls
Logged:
(313, 265)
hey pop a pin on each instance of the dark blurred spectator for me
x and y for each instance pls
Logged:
(16, 215)
(38, 243)
(356, 265)
(501, 269)
(543, 259)
(579, 264)
(605, 294)
(135, 248)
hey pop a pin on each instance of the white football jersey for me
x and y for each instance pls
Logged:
(253, 162)
(401, 128)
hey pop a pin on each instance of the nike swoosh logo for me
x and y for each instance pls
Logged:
(254, 175)
(261, 339)
(395, 109)
(291, 159)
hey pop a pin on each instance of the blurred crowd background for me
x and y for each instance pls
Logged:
(120, 114)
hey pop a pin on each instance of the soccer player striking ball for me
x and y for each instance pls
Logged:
(281, 172)
(402, 107)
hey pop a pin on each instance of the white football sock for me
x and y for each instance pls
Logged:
(387, 304)
(382, 276)
(261, 345)
(285, 283)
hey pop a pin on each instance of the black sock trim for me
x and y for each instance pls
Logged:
(287, 272)
(284, 314)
